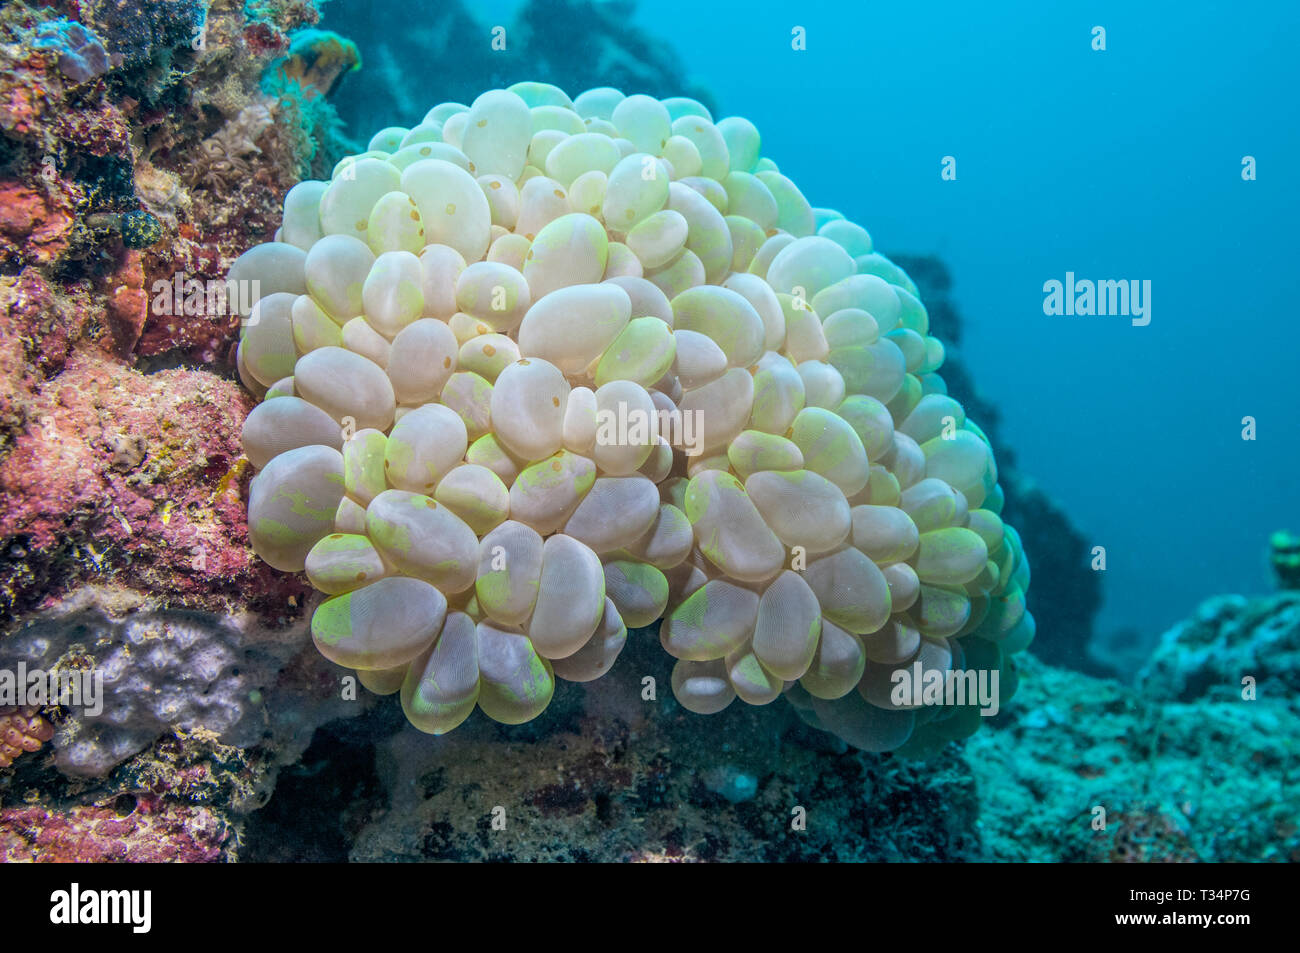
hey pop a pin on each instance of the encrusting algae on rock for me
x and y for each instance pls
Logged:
(538, 369)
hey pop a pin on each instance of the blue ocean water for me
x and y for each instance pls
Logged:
(1117, 164)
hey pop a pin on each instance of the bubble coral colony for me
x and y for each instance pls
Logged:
(538, 370)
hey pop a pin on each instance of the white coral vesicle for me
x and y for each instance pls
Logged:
(539, 370)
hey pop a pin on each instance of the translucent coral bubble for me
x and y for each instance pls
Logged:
(794, 214)
(558, 118)
(286, 424)
(423, 539)
(453, 207)
(854, 239)
(509, 571)
(346, 385)
(392, 294)
(302, 225)
(598, 103)
(702, 687)
(832, 448)
(572, 250)
(516, 682)
(423, 447)
(545, 494)
(470, 396)
(359, 337)
(380, 626)
(395, 225)
(440, 266)
(725, 317)
(528, 403)
(778, 395)
(312, 327)
(715, 161)
(599, 653)
(658, 238)
(697, 358)
(810, 264)
(823, 385)
(743, 142)
(637, 188)
(714, 414)
(837, 665)
(950, 556)
(363, 465)
(625, 427)
(346, 204)
(866, 292)
(684, 272)
(787, 627)
(442, 683)
(494, 293)
(570, 600)
(639, 591)
(497, 132)
(336, 269)
(622, 263)
(960, 462)
(767, 305)
(644, 121)
(342, 562)
(850, 327)
(803, 508)
(746, 239)
(753, 450)
(715, 620)
(576, 155)
(871, 421)
(885, 534)
(729, 529)
(615, 513)
(641, 354)
(668, 541)
(753, 683)
(267, 347)
(423, 358)
(573, 326)
(851, 589)
(541, 201)
(292, 503)
(707, 234)
(488, 355)
(939, 612)
(476, 495)
(503, 199)
(749, 197)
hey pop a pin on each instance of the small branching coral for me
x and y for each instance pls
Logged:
(540, 370)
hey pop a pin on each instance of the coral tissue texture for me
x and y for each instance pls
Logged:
(539, 370)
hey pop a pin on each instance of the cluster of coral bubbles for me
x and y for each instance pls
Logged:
(539, 370)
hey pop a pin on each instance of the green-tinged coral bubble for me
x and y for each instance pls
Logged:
(642, 353)
(516, 684)
(442, 684)
(380, 626)
(342, 562)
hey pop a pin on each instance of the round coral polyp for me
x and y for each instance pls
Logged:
(539, 370)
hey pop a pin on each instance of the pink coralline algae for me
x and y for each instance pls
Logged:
(155, 831)
(139, 478)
